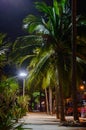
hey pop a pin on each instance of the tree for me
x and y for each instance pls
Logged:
(54, 29)
(52, 41)
(49, 44)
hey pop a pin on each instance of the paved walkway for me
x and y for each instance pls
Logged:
(42, 121)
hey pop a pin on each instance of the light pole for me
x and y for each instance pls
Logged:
(23, 75)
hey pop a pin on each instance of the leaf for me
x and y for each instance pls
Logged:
(56, 7)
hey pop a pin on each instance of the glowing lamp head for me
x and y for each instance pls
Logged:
(22, 74)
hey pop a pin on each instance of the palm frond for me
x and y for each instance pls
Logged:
(25, 47)
(42, 60)
(31, 22)
(43, 7)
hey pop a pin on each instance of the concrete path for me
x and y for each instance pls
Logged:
(42, 121)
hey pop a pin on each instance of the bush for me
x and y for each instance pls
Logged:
(22, 102)
(12, 107)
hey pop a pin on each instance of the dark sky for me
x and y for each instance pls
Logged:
(12, 13)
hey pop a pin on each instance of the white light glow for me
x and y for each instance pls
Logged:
(22, 74)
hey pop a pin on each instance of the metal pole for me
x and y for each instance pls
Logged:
(23, 86)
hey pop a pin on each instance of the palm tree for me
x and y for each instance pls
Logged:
(50, 28)
(49, 44)
(54, 29)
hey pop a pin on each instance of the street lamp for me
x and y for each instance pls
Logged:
(23, 75)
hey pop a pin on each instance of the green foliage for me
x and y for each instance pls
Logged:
(52, 27)
(2, 36)
(22, 103)
(7, 101)
(12, 107)
(50, 45)
(57, 21)
(4, 46)
(51, 40)
(49, 78)
(27, 46)
(2, 49)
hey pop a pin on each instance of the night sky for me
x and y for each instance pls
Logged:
(12, 13)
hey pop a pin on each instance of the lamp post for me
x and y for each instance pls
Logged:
(23, 75)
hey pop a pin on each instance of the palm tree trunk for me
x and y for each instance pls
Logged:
(60, 70)
(57, 102)
(61, 98)
(47, 104)
(50, 100)
(74, 88)
(60, 83)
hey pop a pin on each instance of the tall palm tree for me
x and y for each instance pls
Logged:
(50, 44)
(54, 29)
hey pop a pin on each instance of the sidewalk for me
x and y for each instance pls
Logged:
(42, 121)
